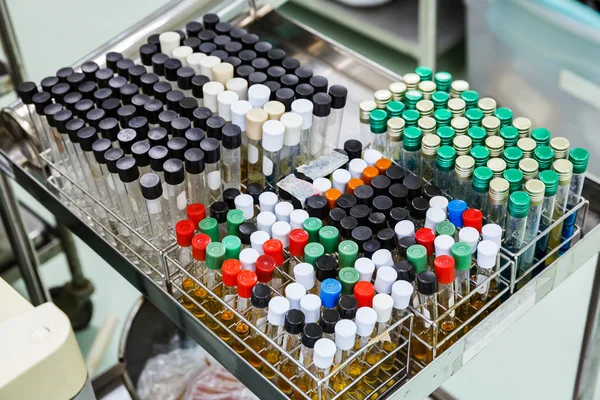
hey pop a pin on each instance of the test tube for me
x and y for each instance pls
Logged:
(255, 118)
(195, 177)
(212, 157)
(304, 108)
(497, 201)
(318, 132)
(176, 196)
(156, 205)
(338, 94)
(550, 180)
(232, 141)
(535, 189)
(579, 158)
(238, 117)
(272, 142)
(564, 169)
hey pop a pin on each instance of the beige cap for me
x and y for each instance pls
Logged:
(382, 97)
(460, 125)
(529, 168)
(427, 87)
(527, 146)
(499, 188)
(430, 144)
(458, 86)
(487, 105)
(535, 189)
(275, 109)
(523, 125)
(211, 91)
(495, 144)
(255, 118)
(560, 145)
(238, 85)
(181, 53)
(491, 124)
(395, 129)
(398, 90)
(366, 106)
(564, 169)
(425, 107)
(411, 80)
(497, 165)
(222, 72)
(457, 106)
(464, 166)
(462, 144)
(427, 124)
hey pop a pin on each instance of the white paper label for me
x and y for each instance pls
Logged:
(425, 313)
(482, 289)
(182, 201)
(267, 166)
(154, 206)
(230, 299)
(132, 203)
(261, 323)
(252, 154)
(165, 191)
(214, 180)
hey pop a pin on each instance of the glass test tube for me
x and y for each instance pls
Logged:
(195, 177)
(212, 157)
(428, 307)
(238, 117)
(294, 323)
(272, 142)
(411, 151)
(550, 180)
(278, 307)
(291, 142)
(318, 131)
(255, 118)
(231, 159)
(176, 196)
(497, 201)
(338, 94)
(304, 108)
(564, 169)
(365, 320)
(156, 205)
(311, 333)
(579, 158)
(378, 123)
(261, 294)
(345, 337)
(535, 189)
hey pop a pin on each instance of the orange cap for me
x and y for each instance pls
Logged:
(353, 184)
(368, 174)
(382, 164)
(332, 195)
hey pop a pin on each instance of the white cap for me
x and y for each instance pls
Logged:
(222, 72)
(206, 66)
(322, 184)
(371, 156)
(278, 307)
(238, 85)
(492, 232)
(304, 273)
(245, 202)
(365, 321)
(294, 292)
(404, 228)
(248, 259)
(283, 209)
(383, 305)
(365, 268)
(433, 217)
(169, 41)
(401, 293)
(487, 253)
(443, 245)
(293, 128)
(340, 178)
(469, 235)
(439, 202)
(281, 231)
(224, 101)
(264, 221)
(257, 239)
(385, 278)
(272, 138)
(310, 305)
(193, 61)
(211, 90)
(258, 95)
(345, 334)
(324, 352)
(304, 107)
(356, 167)
(182, 53)
(297, 218)
(238, 113)
(267, 201)
(382, 258)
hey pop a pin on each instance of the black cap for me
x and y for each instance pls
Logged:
(377, 221)
(305, 91)
(273, 87)
(247, 56)
(260, 64)
(126, 138)
(382, 204)
(139, 101)
(214, 127)
(89, 69)
(275, 72)
(220, 41)
(103, 75)
(158, 63)
(326, 267)
(165, 118)
(123, 66)
(194, 161)
(426, 283)
(290, 64)
(128, 169)
(187, 105)
(193, 43)
(285, 96)
(320, 83)
(147, 82)
(184, 78)
(72, 127)
(229, 196)
(255, 190)
(233, 60)
(276, 56)
(201, 115)
(155, 40)
(207, 47)
(192, 28)
(304, 74)
(347, 306)
(41, 100)
(158, 156)
(243, 71)
(177, 147)
(353, 148)
(294, 321)
(329, 318)
(310, 334)
(112, 58)
(140, 150)
(232, 137)
(50, 110)
(71, 99)
(405, 270)
(262, 48)
(335, 216)
(316, 206)
(361, 234)
(140, 126)
(158, 136)
(322, 104)
(174, 171)
(152, 110)
(346, 201)
(256, 78)
(245, 230)
(233, 48)
(110, 106)
(249, 40)
(194, 136)
(173, 98)
(135, 74)
(397, 214)
(61, 119)
(48, 83)
(414, 185)
(399, 194)
(347, 225)
(261, 295)
(109, 128)
(219, 210)
(211, 149)
(387, 238)
(370, 247)
(86, 136)
(146, 52)
(364, 195)
(289, 81)
(93, 117)
(59, 91)
(419, 207)
(87, 89)
(238, 33)
(26, 91)
(404, 243)
(430, 191)
(381, 185)
(76, 79)
(210, 21)
(198, 83)
(151, 186)
(99, 147)
(223, 28)
(111, 157)
(63, 73)
(115, 83)
(171, 67)
(179, 125)
(102, 94)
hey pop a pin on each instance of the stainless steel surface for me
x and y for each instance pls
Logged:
(11, 46)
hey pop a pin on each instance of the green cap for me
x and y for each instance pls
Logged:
(394, 108)
(477, 135)
(411, 117)
(312, 251)
(442, 116)
(215, 255)
(233, 247)
(550, 179)
(445, 228)
(510, 134)
(470, 97)
(329, 237)
(210, 226)
(481, 155)
(512, 156)
(481, 179)
(446, 134)
(348, 278)
(424, 72)
(312, 226)
(347, 253)
(440, 99)
(544, 155)
(412, 97)
(445, 157)
(443, 80)
(412, 138)
(514, 178)
(417, 255)
(518, 204)
(461, 252)
(541, 136)
(505, 116)
(475, 116)
(234, 219)
(378, 121)
(579, 158)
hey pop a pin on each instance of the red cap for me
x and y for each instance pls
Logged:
(246, 280)
(184, 231)
(298, 239)
(274, 248)
(425, 237)
(196, 212)
(230, 270)
(473, 218)
(363, 293)
(444, 269)
(199, 244)
(265, 265)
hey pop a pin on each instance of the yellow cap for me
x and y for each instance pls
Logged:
(255, 118)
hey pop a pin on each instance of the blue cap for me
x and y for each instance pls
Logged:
(331, 290)
(456, 208)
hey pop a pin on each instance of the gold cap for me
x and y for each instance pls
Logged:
(430, 144)
(275, 109)
(425, 107)
(527, 145)
(427, 87)
(564, 169)
(523, 125)
(255, 118)
(491, 124)
(458, 86)
(462, 144)
(366, 106)
(222, 72)
(495, 144)
(464, 166)
(398, 89)
(497, 165)
(411, 80)
(535, 189)
(427, 125)
(560, 145)
(487, 105)
(499, 188)
(395, 129)
(529, 168)
(460, 125)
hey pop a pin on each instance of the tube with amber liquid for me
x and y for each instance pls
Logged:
(199, 244)
(345, 337)
(424, 328)
(294, 323)
(231, 269)
(365, 321)
(310, 334)
(261, 295)
(402, 292)
(246, 280)
(278, 307)
(215, 253)
(445, 274)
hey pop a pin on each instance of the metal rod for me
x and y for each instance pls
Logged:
(427, 32)
(10, 46)
(68, 245)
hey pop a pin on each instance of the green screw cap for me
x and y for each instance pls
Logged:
(445, 157)
(514, 178)
(312, 251)
(312, 225)
(505, 115)
(445, 228)
(481, 155)
(475, 116)
(347, 253)
(518, 204)
(234, 219)
(411, 117)
(481, 179)
(443, 80)
(512, 156)
(510, 134)
(440, 99)
(544, 155)
(442, 117)
(541, 136)
(550, 179)
(394, 108)
(378, 121)
(579, 158)
(412, 139)
(424, 72)
(446, 134)
(210, 226)
(348, 278)
(461, 252)
(477, 135)
(417, 255)
(470, 97)
(215, 255)
(233, 247)
(411, 98)
(329, 237)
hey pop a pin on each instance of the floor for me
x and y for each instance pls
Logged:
(535, 358)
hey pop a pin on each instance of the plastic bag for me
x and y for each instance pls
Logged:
(216, 383)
